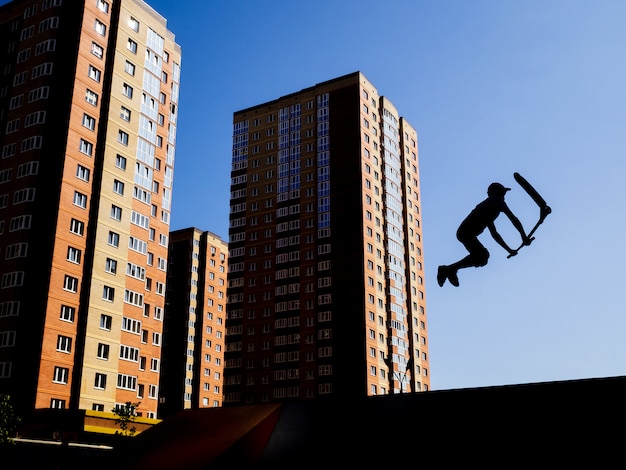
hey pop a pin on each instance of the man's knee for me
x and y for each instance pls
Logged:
(481, 258)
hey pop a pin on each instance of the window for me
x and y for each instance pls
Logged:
(131, 325)
(127, 382)
(136, 271)
(8, 150)
(114, 239)
(105, 323)
(134, 24)
(24, 195)
(125, 114)
(43, 69)
(82, 173)
(26, 33)
(40, 93)
(94, 73)
(27, 169)
(120, 162)
(30, 11)
(73, 255)
(129, 68)
(127, 90)
(57, 403)
(122, 137)
(108, 293)
(100, 381)
(7, 339)
(138, 245)
(38, 117)
(49, 24)
(89, 122)
(129, 353)
(100, 28)
(16, 250)
(19, 79)
(139, 219)
(103, 6)
(67, 313)
(12, 126)
(97, 50)
(91, 97)
(86, 147)
(132, 46)
(5, 175)
(118, 187)
(80, 200)
(21, 222)
(116, 212)
(133, 298)
(103, 349)
(64, 344)
(70, 283)
(110, 266)
(61, 375)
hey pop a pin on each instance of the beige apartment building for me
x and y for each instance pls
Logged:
(88, 107)
(326, 289)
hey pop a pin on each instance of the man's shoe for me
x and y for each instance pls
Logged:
(442, 275)
(453, 278)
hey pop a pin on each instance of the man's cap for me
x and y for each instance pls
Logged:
(496, 189)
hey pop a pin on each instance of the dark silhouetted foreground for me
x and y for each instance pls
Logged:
(542, 425)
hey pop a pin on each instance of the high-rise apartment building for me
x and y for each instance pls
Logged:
(194, 329)
(88, 107)
(326, 292)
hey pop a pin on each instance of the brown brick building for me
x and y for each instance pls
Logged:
(194, 327)
(88, 107)
(326, 292)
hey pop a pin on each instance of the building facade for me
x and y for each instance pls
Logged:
(88, 107)
(194, 329)
(326, 290)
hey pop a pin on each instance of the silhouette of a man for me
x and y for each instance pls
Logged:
(483, 216)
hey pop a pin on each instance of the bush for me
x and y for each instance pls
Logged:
(8, 421)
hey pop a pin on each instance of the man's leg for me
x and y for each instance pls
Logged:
(449, 272)
(478, 256)
(442, 275)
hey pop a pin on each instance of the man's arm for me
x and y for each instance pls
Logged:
(517, 224)
(496, 236)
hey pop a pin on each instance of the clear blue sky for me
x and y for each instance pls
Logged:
(492, 87)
